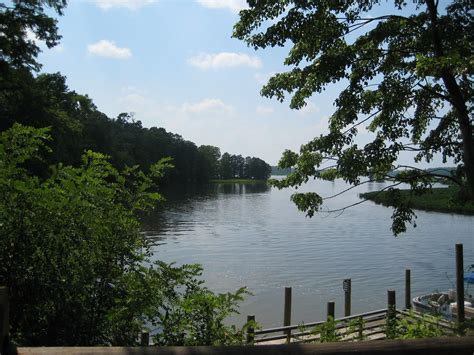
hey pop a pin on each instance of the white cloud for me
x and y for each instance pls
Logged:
(108, 49)
(207, 105)
(309, 109)
(264, 110)
(232, 5)
(224, 59)
(128, 4)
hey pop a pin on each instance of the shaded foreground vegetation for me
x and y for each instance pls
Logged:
(437, 199)
(77, 266)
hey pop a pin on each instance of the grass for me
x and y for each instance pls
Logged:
(238, 181)
(439, 200)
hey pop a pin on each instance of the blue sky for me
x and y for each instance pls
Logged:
(174, 64)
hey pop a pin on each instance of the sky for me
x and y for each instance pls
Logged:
(174, 64)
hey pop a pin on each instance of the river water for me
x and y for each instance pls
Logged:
(253, 235)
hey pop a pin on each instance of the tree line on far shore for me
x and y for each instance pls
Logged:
(77, 126)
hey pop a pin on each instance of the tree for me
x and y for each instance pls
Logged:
(17, 21)
(408, 78)
(225, 167)
(209, 161)
(238, 163)
(77, 266)
(256, 168)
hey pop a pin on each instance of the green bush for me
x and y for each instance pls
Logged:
(76, 265)
(420, 326)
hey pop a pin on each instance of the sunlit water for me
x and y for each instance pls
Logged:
(252, 235)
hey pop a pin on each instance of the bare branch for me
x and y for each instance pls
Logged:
(342, 209)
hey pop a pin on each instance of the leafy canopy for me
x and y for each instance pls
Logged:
(408, 81)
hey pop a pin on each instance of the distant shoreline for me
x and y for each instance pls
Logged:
(438, 200)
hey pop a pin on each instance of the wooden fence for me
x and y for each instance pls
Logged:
(433, 346)
(365, 326)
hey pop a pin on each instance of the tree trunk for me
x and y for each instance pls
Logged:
(457, 100)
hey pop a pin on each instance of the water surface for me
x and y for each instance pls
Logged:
(252, 235)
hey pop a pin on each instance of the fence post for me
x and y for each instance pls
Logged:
(460, 286)
(250, 330)
(347, 285)
(331, 309)
(407, 288)
(287, 313)
(390, 324)
(145, 339)
(4, 318)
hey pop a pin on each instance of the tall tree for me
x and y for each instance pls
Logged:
(20, 21)
(225, 167)
(408, 78)
(209, 161)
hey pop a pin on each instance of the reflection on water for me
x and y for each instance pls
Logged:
(252, 235)
(241, 188)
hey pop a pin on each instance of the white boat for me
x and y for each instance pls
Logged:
(444, 303)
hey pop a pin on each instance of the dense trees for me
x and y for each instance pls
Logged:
(76, 264)
(77, 125)
(236, 167)
(408, 79)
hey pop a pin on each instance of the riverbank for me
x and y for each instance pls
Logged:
(438, 200)
(237, 181)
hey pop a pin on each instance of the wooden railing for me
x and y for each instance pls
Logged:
(304, 333)
(433, 346)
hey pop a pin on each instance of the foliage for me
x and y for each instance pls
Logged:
(18, 50)
(356, 328)
(78, 268)
(407, 78)
(236, 167)
(326, 331)
(415, 326)
(193, 315)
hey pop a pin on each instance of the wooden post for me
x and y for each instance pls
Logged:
(145, 339)
(331, 309)
(346, 285)
(287, 313)
(391, 315)
(4, 318)
(407, 289)
(250, 330)
(460, 286)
